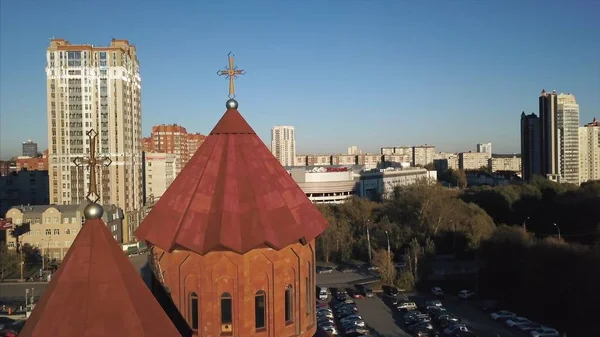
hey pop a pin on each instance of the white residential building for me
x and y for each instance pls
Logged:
(567, 122)
(485, 148)
(589, 151)
(160, 171)
(283, 144)
(99, 88)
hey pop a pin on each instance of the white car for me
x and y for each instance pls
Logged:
(516, 321)
(465, 294)
(544, 332)
(437, 291)
(502, 314)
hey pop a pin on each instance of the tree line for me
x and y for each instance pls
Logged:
(508, 230)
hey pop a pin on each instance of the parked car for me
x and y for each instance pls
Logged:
(422, 327)
(529, 327)
(437, 291)
(5, 322)
(370, 267)
(408, 306)
(341, 295)
(326, 314)
(351, 318)
(433, 303)
(330, 330)
(448, 320)
(323, 294)
(544, 332)
(502, 314)
(466, 294)
(324, 270)
(454, 329)
(516, 321)
(341, 304)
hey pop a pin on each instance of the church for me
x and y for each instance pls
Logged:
(232, 253)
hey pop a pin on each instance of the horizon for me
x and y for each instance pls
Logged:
(327, 66)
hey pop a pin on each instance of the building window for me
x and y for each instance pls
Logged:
(48, 232)
(57, 232)
(308, 305)
(289, 304)
(226, 309)
(193, 311)
(260, 310)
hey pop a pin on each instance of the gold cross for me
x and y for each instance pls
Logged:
(230, 72)
(91, 162)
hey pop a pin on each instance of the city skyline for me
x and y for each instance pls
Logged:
(311, 56)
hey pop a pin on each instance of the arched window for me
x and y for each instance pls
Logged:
(193, 311)
(289, 304)
(260, 310)
(226, 308)
(308, 291)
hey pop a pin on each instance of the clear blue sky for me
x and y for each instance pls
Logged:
(366, 73)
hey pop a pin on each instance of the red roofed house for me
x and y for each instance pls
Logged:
(97, 292)
(233, 239)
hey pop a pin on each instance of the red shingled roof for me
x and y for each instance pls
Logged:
(96, 292)
(233, 194)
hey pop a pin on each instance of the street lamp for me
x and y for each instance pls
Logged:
(525, 224)
(388, 241)
(558, 228)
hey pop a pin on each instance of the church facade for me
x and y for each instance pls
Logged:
(233, 238)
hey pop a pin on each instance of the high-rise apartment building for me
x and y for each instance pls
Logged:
(99, 88)
(531, 146)
(548, 105)
(485, 148)
(423, 155)
(567, 123)
(30, 149)
(171, 138)
(589, 151)
(353, 150)
(174, 139)
(283, 144)
(555, 134)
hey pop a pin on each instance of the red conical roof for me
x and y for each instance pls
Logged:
(233, 194)
(96, 292)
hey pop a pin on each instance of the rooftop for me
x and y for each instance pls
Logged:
(97, 292)
(234, 195)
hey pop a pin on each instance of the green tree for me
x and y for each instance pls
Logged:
(8, 259)
(383, 260)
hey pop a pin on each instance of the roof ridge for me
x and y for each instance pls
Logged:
(189, 203)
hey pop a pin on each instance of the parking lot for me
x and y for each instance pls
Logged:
(383, 320)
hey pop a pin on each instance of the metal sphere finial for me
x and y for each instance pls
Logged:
(93, 211)
(231, 104)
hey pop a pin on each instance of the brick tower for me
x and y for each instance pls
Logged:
(233, 239)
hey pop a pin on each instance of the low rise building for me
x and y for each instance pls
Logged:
(501, 162)
(378, 184)
(300, 160)
(472, 160)
(33, 163)
(326, 184)
(318, 160)
(369, 161)
(53, 228)
(343, 159)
